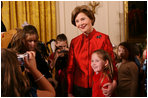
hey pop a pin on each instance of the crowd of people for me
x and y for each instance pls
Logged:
(88, 68)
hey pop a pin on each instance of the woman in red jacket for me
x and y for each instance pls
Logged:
(79, 71)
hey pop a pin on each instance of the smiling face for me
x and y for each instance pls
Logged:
(97, 63)
(83, 23)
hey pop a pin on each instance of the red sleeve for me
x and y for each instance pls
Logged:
(51, 56)
(108, 47)
(70, 68)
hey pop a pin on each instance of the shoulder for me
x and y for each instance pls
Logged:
(101, 34)
(132, 65)
(79, 37)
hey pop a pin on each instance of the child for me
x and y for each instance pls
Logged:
(59, 60)
(127, 72)
(102, 65)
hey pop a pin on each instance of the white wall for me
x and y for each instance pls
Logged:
(109, 19)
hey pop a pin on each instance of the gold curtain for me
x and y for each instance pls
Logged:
(41, 14)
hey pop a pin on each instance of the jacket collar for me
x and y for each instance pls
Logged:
(90, 35)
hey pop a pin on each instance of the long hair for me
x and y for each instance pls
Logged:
(13, 82)
(17, 42)
(108, 70)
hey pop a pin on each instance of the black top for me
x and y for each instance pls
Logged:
(42, 66)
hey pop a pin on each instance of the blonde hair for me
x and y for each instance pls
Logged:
(108, 70)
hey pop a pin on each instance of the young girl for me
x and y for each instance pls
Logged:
(127, 72)
(102, 65)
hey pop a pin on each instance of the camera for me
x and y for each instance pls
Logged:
(21, 57)
(63, 51)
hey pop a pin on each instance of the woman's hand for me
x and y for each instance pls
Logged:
(111, 87)
(70, 95)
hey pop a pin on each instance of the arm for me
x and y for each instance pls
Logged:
(42, 82)
(53, 60)
(56, 55)
(133, 69)
(70, 70)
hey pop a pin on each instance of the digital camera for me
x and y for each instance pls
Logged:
(21, 57)
(63, 51)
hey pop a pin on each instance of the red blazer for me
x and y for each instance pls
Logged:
(79, 71)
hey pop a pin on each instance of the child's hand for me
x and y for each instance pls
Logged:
(59, 54)
(30, 62)
(67, 49)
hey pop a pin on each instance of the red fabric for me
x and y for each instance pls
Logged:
(79, 71)
(98, 81)
(51, 56)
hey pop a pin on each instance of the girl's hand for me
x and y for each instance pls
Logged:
(30, 62)
(67, 49)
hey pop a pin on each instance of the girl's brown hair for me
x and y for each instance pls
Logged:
(17, 42)
(30, 30)
(108, 70)
(13, 82)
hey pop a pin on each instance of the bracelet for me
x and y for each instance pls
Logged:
(39, 78)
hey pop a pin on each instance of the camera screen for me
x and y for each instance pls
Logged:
(21, 61)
